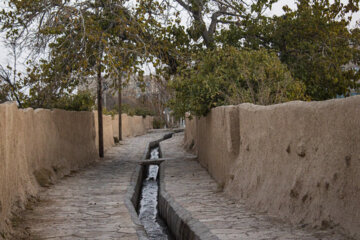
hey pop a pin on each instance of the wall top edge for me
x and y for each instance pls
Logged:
(298, 104)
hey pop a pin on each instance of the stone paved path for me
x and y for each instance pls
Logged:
(192, 187)
(89, 204)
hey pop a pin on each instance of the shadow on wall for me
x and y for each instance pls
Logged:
(298, 160)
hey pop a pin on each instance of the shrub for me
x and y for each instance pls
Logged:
(158, 123)
(112, 112)
(129, 110)
(231, 76)
(82, 101)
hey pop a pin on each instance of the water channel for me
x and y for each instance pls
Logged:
(148, 207)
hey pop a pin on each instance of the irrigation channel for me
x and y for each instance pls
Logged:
(148, 208)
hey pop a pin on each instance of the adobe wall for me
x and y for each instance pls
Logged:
(132, 125)
(190, 135)
(39, 146)
(107, 131)
(298, 160)
(36, 148)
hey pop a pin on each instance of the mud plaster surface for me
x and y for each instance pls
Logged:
(192, 187)
(297, 160)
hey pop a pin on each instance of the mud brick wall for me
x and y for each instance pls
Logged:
(36, 148)
(132, 125)
(298, 160)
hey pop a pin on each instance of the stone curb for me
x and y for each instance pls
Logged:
(133, 190)
(180, 222)
(131, 198)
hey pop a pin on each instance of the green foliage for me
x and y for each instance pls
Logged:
(315, 45)
(140, 111)
(230, 76)
(107, 39)
(130, 110)
(111, 112)
(10, 86)
(158, 123)
(49, 86)
(82, 101)
(314, 41)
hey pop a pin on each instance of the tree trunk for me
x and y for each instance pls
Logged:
(100, 117)
(120, 110)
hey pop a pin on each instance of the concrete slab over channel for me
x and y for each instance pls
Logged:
(198, 198)
(161, 160)
(90, 204)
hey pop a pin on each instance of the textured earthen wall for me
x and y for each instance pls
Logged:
(298, 160)
(39, 146)
(36, 147)
(132, 125)
(190, 135)
(148, 121)
(107, 131)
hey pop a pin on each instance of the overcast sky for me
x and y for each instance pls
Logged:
(5, 57)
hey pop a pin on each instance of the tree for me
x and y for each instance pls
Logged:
(75, 32)
(314, 41)
(230, 76)
(219, 13)
(10, 79)
(82, 38)
(9, 87)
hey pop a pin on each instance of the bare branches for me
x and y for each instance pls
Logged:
(208, 16)
(5, 76)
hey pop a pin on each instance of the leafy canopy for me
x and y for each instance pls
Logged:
(315, 42)
(230, 76)
(83, 38)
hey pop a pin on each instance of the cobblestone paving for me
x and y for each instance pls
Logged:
(89, 204)
(192, 187)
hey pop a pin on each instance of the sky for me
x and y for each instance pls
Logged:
(5, 57)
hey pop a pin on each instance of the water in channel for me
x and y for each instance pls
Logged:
(148, 210)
